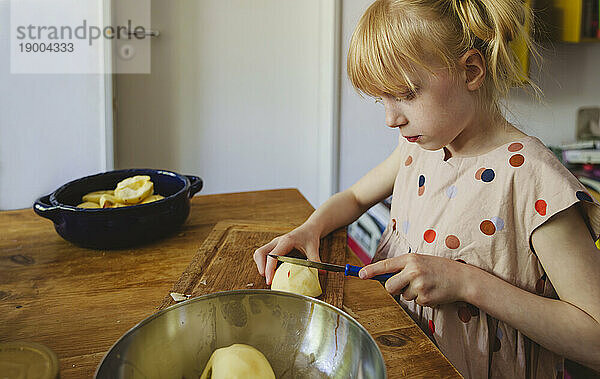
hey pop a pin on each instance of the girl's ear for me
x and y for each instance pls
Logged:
(473, 63)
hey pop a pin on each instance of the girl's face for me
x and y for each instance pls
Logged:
(436, 114)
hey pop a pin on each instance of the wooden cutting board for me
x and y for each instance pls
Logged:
(225, 261)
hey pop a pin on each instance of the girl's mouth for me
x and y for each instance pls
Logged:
(413, 138)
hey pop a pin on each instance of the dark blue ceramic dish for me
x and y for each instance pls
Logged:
(113, 228)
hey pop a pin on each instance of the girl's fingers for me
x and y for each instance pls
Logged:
(382, 267)
(283, 247)
(312, 252)
(397, 284)
(409, 294)
(260, 255)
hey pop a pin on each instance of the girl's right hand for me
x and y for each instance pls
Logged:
(303, 238)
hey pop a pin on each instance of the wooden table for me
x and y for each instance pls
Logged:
(78, 302)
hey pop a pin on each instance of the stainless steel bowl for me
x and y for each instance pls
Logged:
(300, 336)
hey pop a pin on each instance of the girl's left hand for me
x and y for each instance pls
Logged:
(427, 279)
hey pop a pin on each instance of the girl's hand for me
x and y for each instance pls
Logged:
(303, 238)
(427, 279)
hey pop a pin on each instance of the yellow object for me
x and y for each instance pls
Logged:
(152, 198)
(88, 204)
(598, 243)
(134, 189)
(520, 47)
(594, 193)
(110, 201)
(27, 360)
(297, 279)
(570, 12)
(94, 197)
(237, 361)
(569, 18)
(130, 191)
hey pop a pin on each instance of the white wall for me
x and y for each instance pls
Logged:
(365, 140)
(569, 78)
(51, 128)
(233, 97)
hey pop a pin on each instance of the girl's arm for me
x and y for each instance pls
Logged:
(339, 210)
(570, 326)
(345, 207)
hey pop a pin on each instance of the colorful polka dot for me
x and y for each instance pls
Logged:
(540, 207)
(488, 175)
(583, 196)
(473, 309)
(540, 284)
(485, 174)
(479, 172)
(516, 160)
(514, 147)
(408, 161)
(421, 180)
(431, 327)
(405, 226)
(466, 311)
(498, 223)
(429, 235)
(463, 314)
(451, 192)
(421, 190)
(497, 345)
(452, 242)
(487, 227)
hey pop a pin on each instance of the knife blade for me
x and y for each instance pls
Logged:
(348, 270)
(307, 263)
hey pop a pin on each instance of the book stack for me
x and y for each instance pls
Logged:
(365, 233)
(590, 17)
(583, 160)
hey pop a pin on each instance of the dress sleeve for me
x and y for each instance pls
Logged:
(547, 188)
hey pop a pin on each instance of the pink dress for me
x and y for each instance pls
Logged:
(482, 211)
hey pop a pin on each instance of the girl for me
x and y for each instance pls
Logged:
(490, 236)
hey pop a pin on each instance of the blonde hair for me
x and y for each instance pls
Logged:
(394, 36)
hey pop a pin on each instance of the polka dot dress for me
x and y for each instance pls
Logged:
(481, 211)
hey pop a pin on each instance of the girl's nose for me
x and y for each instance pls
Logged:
(395, 119)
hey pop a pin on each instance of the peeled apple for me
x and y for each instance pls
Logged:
(94, 197)
(237, 361)
(88, 204)
(297, 279)
(134, 189)
(130, 191)
(110, 201)
(152, 198)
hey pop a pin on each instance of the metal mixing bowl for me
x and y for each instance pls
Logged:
(301, 337)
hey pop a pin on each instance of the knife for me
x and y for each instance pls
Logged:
(348, 270)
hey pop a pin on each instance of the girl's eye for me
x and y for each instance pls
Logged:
(407, 96)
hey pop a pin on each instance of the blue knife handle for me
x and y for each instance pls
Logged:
(353, 271)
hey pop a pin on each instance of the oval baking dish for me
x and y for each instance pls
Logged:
(111, 228)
